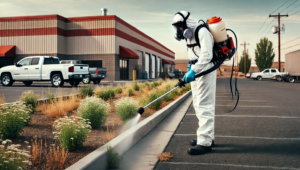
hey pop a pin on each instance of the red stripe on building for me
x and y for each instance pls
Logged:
(30, 32)
(91, 18)
(141, 33)
(90, 32)
(33, 18)
(139, 42)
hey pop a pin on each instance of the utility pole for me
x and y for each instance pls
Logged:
(245, 57)
(278, 17)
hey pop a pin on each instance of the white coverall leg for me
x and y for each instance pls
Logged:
(204, 88)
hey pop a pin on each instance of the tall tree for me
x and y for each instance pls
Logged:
(248, 64)
(264, 54)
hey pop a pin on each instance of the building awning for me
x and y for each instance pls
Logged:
(127, 53)
(167, 62)
(8, 51)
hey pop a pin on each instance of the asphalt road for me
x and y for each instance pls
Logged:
(262, 133)
(13, 93)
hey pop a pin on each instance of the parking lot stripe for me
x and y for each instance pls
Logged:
(244, 106)
(245, 100)
(242, 137)
(252, 116)
(232, 165)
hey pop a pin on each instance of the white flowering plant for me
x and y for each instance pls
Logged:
(126, 107)
(94, 109)
(11, 157)
(13, 118)
(71, 131)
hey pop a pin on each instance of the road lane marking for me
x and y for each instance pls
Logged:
(245, 100)
(243, 106)
(258, 116)
(242, 137)
(232, 165)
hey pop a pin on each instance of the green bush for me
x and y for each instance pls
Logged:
(119, 89)
(136, 87)
(11, 157)
(94, 109)
(109, 93)
(86, 91)
(154, 84)
(156, 105)
(29, 98)
(13, 118)
(50, 95)
(131, 93)
(113, 159)
(71, 131)
(147, 84)
(126, 108)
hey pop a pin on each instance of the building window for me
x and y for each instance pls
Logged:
(124, 69)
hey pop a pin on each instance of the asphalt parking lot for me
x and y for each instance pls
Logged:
(262, 133)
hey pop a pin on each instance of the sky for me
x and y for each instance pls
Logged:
(248, 18)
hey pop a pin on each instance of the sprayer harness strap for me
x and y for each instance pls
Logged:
(197, 36)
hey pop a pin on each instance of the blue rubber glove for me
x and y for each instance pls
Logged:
(189, 67)
(189, 76)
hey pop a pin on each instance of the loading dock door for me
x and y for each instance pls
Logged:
(124, 69)
(147, 64)
(153, 66)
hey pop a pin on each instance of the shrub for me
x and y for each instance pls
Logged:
(94, 109)
(119, 89)
(130, 92)
(71, 131)
(86, 91)
(154, 84)
(154, 95)
(29, 98)
(109, 93)
(113, 159)
(136, 87)
(50, 95)
(2, 99)
(126, 108)
(13, 118)
(147, 84)
(11, 157)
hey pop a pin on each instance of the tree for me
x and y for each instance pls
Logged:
(248, 64)
(264, 54)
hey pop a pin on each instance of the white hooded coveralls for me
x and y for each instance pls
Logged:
(204, 87)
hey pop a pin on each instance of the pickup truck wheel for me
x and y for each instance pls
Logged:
(278, 78)
(259, 78)
(74, 83)
(57, 80)
(6, 80)
(27, 83)
(291, 79)
(96, 81)
(86, 80)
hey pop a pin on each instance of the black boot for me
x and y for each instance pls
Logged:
(198, 150)
(194, 143)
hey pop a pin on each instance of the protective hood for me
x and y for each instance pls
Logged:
(183, 19)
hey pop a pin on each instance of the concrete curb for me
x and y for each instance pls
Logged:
(97, 160)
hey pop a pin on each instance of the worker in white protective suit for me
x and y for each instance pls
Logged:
(203, 88)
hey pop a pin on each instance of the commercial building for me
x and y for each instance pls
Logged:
(105, 41)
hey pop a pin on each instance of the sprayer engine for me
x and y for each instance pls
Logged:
(223, 50)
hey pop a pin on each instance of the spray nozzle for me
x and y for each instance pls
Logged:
(141, 110)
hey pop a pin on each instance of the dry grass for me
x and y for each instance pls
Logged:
(56, 158)
(165, 156)
(59, 107)
(36, 151)
(2, 99)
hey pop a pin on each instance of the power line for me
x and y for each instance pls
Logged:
(288, 42)
(259, 29)
(267, 27)
(288, 6)
(293, 8)
(280, 6)
(290, 47)
(295, 13)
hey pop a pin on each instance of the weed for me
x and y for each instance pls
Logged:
(126, 108)
(109, 93)
(119, 89)
(154, 95)
(136, 87)
(94, 109)
(29, 98)
(2, 99)
(130, 92)
(71, 131)
(165, 156)
(56, 157)
(86, 91)
(113, 159)
(36, 151)
(50, 95)
(154, 84)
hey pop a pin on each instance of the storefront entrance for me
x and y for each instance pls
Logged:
(124, 69)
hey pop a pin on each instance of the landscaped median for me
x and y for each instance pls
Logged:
(74, 132)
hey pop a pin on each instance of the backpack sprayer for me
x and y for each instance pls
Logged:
(223, 49)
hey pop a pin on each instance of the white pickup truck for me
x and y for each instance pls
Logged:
(269, 73)
(43, 68)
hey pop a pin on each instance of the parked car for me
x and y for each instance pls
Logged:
(268, 73)
(175, 74)
(43, 68)
(96, 73)
(248, 75)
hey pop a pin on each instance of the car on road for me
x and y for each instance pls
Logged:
(43, 68)
(248, 75)
(175, 74)
(96, 73)
(268, 73)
